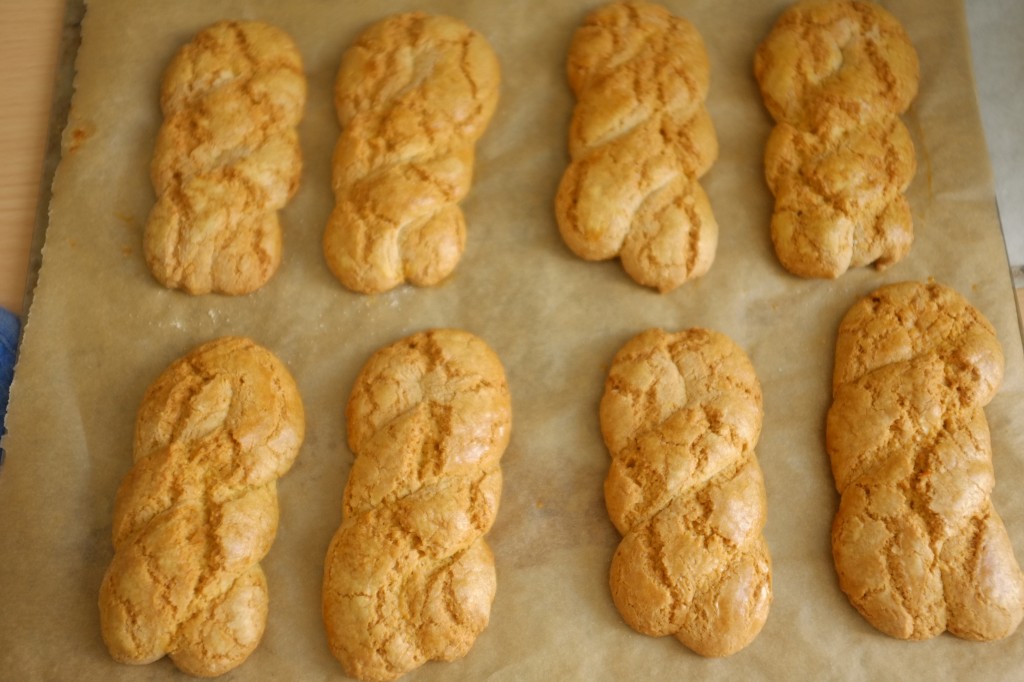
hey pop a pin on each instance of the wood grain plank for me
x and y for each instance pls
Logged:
(30, 34)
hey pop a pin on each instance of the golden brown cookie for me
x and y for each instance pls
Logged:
(918, 546)
(835, 75)
(836, 62)
(198, 510)
(639, 139)
(408, 576)
(413, 95)
(839, 199)
(681, 414)
(227, 158)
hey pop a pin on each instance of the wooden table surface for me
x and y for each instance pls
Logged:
(30, 49)
(30, 35)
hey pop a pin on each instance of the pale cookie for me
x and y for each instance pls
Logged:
(408, 576)
(639, 139)
(918, 546)
(681, 414)
(227, 158)
(413, 95)
(828, 62)
(839, 199)
(198, 510)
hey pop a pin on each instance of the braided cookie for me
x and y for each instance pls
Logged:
(835, 75)
(227, 158)
(408, 576)
(836, 62)
(639, 139)
(198, 511)
(413, 95)
(681, 414)
(839, 196)
(918, 546)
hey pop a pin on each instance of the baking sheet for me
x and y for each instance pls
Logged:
(100, 330)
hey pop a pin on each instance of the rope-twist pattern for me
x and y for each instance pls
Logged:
(835, 75)
(640, 137)
(681, 414)
(227, 158)
(198, 510)
(918, 546)
(413, 94)
(408, 576)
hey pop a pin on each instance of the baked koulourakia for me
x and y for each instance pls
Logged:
(839, 198)
(681, 415)
(640, 138)
(408, 576)
(918, 546)
(836, 75)
(198, 510)
(413, 95)
(227, 159)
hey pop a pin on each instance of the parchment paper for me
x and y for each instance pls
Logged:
(100, 330)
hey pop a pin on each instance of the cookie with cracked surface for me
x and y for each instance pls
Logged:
(829, 62)
(226, 159)
(919, 548)
(835, 75)
(680, 415)
(839, 199)
(198, 510)
(409, 577)
(413, 95)
(640, 137)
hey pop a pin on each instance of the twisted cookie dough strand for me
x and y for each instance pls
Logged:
(829, 63)
(835, 75)
(680, 415)
(918, 546)
(408, 576)
(413, 95)
(198, 511)
(839, 199)
(227, 158)
(639, 139)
